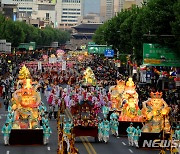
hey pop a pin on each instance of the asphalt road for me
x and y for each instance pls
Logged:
(85, 145)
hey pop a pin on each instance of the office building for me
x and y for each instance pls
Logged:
(110, 8)
(68, 12)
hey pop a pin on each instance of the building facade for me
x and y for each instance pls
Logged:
(56, 13)
(110, 8)
(68, 12)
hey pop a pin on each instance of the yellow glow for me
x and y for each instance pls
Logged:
(28, 84)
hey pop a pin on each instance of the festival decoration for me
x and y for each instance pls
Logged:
(155, 111)
(116, 94)
(89, 78)
(24, 73)
(130, 109)
(25, 102)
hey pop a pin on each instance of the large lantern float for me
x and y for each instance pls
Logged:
(116, 94)
(130, 110)
(155, 111)
(25, 102)
(89, 78)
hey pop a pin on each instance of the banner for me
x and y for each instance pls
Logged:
(39, 65)
(64, 65)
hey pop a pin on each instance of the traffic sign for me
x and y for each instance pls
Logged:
(109, 53)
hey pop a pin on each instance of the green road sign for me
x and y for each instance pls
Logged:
(98, 49)
(91, 43)
(156, 55)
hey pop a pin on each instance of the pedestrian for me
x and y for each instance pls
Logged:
(130, 131)
(46, 131)
(136, 135)
(106, 128)
(6, 132)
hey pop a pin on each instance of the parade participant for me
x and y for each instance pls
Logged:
(136, 135)
(100, 130)
(56, 108)
(45, 120)
(105, 110)
(177, 133)
(47, 131)
(6, 131)
(67, 126)
(50, 111)
(114, 115)
(130, 131)
(111, 126)
(115, 126)
(9, 119)
(106, 129)
(66, 140)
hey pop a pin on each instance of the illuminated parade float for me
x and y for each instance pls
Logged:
(89, 78)
(116, 95)
(130, 111)
(85, 120)
(155, 112)
(25, 110)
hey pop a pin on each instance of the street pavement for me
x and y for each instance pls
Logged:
(85, 145)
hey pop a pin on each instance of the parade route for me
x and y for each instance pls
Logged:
(85, 145)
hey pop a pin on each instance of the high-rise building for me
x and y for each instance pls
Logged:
(110, 8)
(57, 13)
(68, 12)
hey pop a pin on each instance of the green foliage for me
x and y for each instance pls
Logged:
(20, 32)
(157, 21)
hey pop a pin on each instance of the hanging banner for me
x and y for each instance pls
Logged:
(64, 65)
(39, 65)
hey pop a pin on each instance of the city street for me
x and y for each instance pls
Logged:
(85, 145)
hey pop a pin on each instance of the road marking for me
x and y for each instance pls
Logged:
(123, 143)
(85, 141)
(130, 150)
(7, 152)
(93, 150)
(48, 148)
(85, 144)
